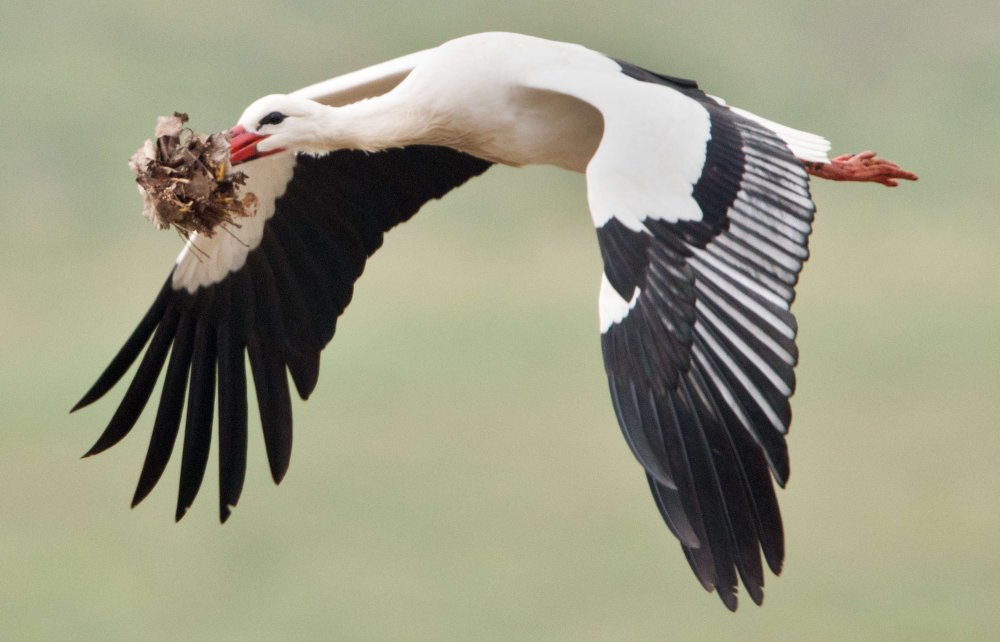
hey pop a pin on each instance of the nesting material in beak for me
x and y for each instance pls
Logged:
(187, 181)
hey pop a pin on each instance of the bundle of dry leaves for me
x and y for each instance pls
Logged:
(186, 180)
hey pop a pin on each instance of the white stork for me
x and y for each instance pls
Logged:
(702, 213)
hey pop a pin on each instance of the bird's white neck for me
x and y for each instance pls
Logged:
(375, 124)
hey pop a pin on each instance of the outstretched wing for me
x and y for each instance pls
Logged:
(703, 216)
(272, 289)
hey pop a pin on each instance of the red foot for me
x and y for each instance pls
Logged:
(861, 167)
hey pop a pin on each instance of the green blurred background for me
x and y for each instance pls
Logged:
(458, 473)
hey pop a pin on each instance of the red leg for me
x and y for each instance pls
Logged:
(861, 167)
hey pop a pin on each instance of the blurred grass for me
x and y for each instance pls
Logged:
(458, 472)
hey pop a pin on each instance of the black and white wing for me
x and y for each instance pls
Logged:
(272, 289)
(703, 215)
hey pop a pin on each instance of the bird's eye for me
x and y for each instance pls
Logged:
(274, 118)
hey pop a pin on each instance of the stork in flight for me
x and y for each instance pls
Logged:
(703, 215)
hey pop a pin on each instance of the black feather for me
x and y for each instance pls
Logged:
(138, 392)
(168, 415)
(232, 399)
(275, 403)
(198, 427)
(133, 346)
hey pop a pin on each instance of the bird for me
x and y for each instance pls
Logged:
(702, 213)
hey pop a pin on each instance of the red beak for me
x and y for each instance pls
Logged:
(243, 146)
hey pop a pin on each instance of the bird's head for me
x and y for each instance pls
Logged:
(274, 124)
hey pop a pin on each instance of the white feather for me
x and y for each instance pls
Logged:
(204, 260)
(611, 307)
(652, 152)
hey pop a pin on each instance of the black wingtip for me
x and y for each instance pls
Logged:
(142, 491)
(131, 349)
(781, 476)
(101, 388)
(180, 512)
(108, 438)
(224, 512)
(271, 384)
(99, 446)
(728, 597)
(774, 562)
(305, 373)
(754, 589)
(704, 573)
(278, 473)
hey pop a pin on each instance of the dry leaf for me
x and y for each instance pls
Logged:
(186, 180)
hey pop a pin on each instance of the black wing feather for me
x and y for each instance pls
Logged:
(130, 351)
(275, 404)
(266, 349)
(701, 365)
(231, 339)
(168, 415)
(280, 309)
(301, 338)
(198, 428)
(142, 384)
